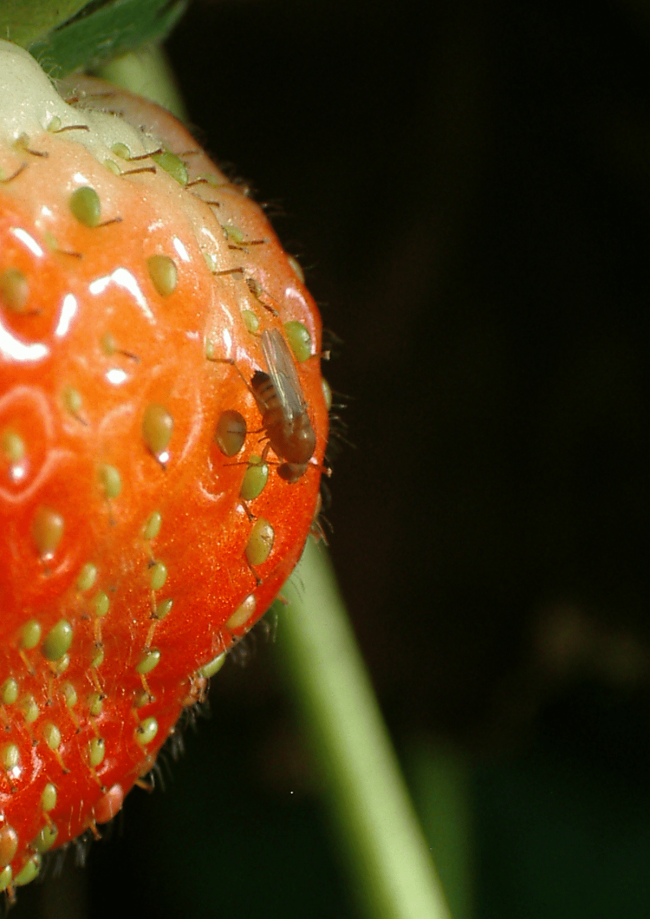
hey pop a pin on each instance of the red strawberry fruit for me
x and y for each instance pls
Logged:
(162, 430)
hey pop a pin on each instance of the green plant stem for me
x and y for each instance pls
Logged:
(147, 73)
(386, 856)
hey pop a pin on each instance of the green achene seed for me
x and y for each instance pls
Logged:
(172, 164)
(45, 839)
(157, 427)
(101, 602)
(251, 321)
(297, 268)
(48, 798)
(234, 235)
(13, 446)
(299, 340)
(163, 608)
(57, 641)
(69, 694)
(148, 661)
(52, 735)
(47, 530)
(10, 756)
(152, 526)
(95, 704)
(243, 613)
(146, 732)
(96, 751)
(327, 393)
(8, 844)
(62, 664)
(121, 150)
(141, 699)
(213, 667)
(163, 274)
(85, 206)
(14, 289)
(5, 878)
(108, 344)
(9, 691)
(260, 542)
(158, 575)
(72, 400)
(111, 480)
(255, 479)
(87, 577)
(29, 708)
(29, 871)
(112, 167)
(31, 634)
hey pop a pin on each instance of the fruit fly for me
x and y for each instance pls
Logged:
(280, 399)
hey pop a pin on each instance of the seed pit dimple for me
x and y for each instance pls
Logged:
(157, 427)
(47, 530)
(230, 433)
(111, 480)
(13, 446)
(14, 290)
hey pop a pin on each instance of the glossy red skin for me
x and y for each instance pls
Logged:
(205, 527)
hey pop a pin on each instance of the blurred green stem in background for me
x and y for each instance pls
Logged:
(383, 849)
(147, 73)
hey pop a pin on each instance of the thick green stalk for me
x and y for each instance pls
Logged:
(386, 856)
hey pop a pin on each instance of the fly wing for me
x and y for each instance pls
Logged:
(282, 371)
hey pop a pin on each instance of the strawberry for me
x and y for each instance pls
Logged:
(162, 429)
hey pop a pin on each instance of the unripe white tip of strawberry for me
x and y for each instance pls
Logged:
(30, 104)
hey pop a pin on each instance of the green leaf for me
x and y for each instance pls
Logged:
(24, 23)
(104, 30)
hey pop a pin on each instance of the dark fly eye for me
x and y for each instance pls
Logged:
(291, 472)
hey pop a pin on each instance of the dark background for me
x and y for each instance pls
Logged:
(466, 185)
